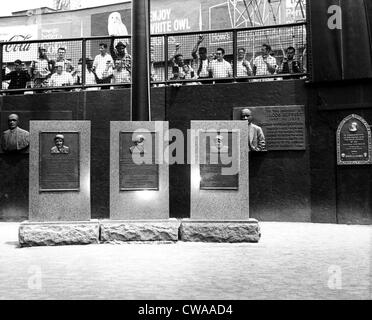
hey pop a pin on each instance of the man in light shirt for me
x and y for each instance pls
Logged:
(244, 68)
(119, 73)
(219, 67)
(201, 62)
(265, 64)
(101, 61)
(61, 78)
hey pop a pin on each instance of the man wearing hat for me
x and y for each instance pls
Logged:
(61, 77)
(120, 51)
(59, 145)
(18, 78)
(15, 139)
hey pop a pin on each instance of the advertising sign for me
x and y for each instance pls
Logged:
(24, 51)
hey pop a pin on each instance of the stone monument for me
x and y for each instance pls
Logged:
(139, 184)
(59, 192)
(220, 184)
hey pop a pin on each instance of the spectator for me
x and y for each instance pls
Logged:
(219, 67)
(181, 70)
(120, 51)
(90, 77)
(61, 78)
(264, 64)
(304, 61)
(244, 68)
(5, 84)
(119, 73)
(61, 58)
(101, 61)
(41, 69)
(153, 76)
(200, 63)
(290, 65)
(18, 78)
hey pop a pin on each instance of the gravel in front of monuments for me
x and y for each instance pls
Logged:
(292, 261)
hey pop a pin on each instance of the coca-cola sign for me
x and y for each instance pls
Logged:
(23, 51)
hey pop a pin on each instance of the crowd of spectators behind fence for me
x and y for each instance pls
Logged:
(113, 66)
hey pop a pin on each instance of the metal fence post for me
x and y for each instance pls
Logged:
(83, 62)
(1, 64)
(235, 51)
(165, 58)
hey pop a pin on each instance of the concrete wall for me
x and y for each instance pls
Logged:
(284, 185)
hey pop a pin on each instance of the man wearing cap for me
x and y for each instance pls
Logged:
(120, 50)
(59, 145)
(61, 77)
(15, 139)
(201, 62)
(256, 137)
(18, 78)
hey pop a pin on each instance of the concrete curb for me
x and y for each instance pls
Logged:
(58, 233)
(220, 231)
(141, 231)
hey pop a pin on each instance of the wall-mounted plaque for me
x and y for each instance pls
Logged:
(138, 169)
(215, 154)
(283, 126)
(59, 161)
(354, 144)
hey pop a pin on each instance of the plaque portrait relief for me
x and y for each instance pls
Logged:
(354, 146)
(59, 167)
(138, 145)
(219, 146)
(15, 139)
(216, 154)
(59, 147)
(138, 169)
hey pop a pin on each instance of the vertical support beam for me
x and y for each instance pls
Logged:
(83, 62)
(235, 51)
(1, 65)
(140, 93)
(166, 57)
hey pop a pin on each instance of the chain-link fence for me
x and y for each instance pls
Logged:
(250, 54)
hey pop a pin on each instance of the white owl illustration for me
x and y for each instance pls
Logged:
(115, 25)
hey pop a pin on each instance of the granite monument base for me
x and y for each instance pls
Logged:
(58, 233)
(140, 231)
(220, 231)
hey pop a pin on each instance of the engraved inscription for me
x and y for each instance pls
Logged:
(59, 164)
(138, 170)
(283, 126)
(354, 141)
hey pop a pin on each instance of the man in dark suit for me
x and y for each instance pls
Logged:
(18, 78)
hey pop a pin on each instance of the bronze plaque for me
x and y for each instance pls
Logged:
(354, 141)
(59, 168)
(218, 151)
(138, 169)
(283, 126)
